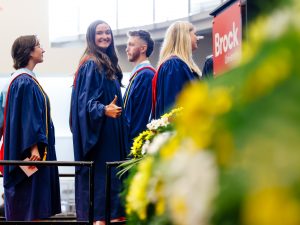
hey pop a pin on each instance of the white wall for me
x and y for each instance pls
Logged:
(19, 17)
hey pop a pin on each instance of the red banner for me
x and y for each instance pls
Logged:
(227, 38)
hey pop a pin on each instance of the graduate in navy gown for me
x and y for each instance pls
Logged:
(208, 67)
(97, 122)
(138, 95)
(29, 133)
(176, 67)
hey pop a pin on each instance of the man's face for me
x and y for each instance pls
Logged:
(135, 46)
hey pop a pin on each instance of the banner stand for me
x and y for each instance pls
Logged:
(227, 35)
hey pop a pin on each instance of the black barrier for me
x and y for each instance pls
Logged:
(90, 165)
(109, 165)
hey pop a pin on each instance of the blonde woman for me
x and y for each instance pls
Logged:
(176, 66)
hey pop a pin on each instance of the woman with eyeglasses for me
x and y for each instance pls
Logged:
(31, 193)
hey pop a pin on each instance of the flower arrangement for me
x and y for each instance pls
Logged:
(150, 140)
(232, 157)
(155, 127)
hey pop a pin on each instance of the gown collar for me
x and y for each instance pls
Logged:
(23, 70)
(142, 64)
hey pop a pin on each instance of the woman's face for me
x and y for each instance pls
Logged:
(194, 39)
(103, 36)
(37, 53)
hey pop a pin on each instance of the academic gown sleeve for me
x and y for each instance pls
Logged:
(172, 77)
(25, 120)
(87, 110)
(138, 108)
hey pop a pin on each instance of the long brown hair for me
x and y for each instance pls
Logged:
(107, 60)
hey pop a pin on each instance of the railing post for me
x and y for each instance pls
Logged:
(107, 194)
(91, 197)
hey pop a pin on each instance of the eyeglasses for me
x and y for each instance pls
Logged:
(199, 37)
(38, 45)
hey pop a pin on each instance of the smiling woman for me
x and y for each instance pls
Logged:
(97, 122)
(103, 36)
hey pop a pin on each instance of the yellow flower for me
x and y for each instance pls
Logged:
(223, 143)
(220, 101)
(172, 113)
(257, 36)
(160, 203)
(136, 148)
(201, 109)
(136, 199)
(271, 206)
(178, 210)
(267, 75)
(169, 149)
(160, 206)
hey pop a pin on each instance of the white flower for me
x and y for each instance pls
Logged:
(145, 147)
(154, 124)
(158, 142)
(191, 187)
(278, 23)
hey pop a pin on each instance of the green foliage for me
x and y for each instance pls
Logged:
(228, 204)
(258, 7)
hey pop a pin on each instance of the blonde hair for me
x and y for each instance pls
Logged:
(178, 43)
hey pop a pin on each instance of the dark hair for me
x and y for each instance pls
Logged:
(21, 49)
(145, 36)
(107, 60)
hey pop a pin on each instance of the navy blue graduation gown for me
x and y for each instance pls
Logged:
(97, 138)
(1, 114)
(172, 76)
(208, 67)
(137, 102)
(37, 196)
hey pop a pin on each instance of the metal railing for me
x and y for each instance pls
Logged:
(109, 165)
(90, 165)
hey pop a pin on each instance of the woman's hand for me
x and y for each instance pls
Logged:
(112, 110)
(35, 155)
